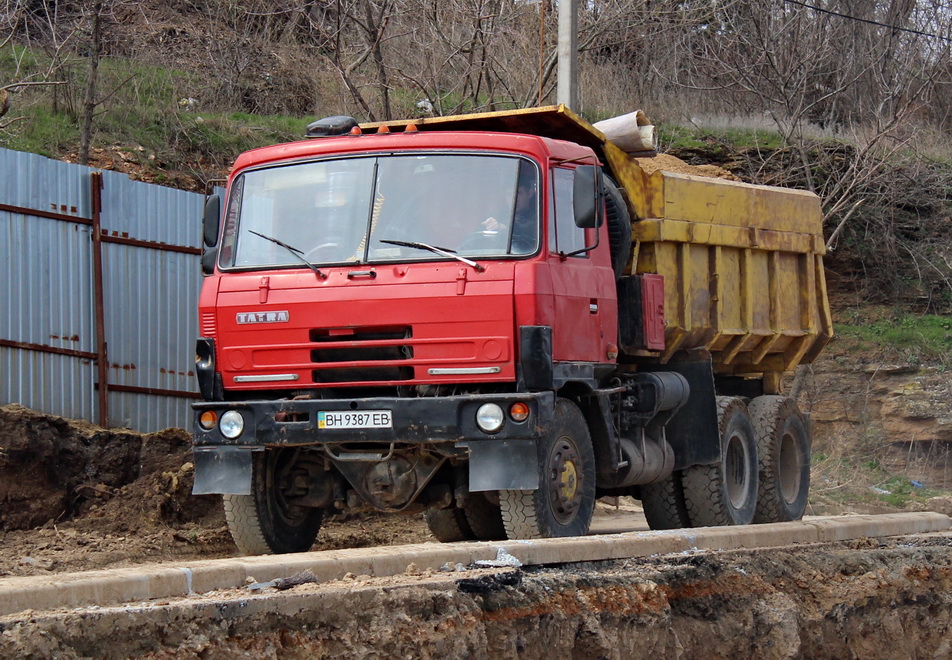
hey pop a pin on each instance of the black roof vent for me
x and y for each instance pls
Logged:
(336, 125)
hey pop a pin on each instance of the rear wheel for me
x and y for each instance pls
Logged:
(478, 520)
(783, 443)
(663, 504)
(484, 518)
(448, 525)
(725, 493)
(563, 503)
(266, 522)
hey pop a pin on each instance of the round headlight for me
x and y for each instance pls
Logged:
(231, 424)
(490, 417)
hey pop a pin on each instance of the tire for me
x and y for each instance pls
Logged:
(663, 504)
(448, 525)
(263, 522)
(478, 520)
(619, 226)
(563, 503)
(783, 442)
(484, 518)
(725, 493)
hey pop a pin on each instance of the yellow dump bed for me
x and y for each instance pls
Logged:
(742, 264)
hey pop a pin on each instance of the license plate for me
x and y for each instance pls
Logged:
(355, 419)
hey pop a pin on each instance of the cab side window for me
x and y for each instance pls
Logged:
(564, 236)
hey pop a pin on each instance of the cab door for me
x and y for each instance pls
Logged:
(583, 285)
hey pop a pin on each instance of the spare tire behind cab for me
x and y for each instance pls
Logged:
(619, 225)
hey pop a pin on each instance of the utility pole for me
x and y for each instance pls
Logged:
(567, 90)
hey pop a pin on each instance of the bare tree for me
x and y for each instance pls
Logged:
(15, 21)
(810, 70)
(92, 79)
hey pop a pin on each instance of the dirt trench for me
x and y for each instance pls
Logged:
(865, 599)
(76, 497)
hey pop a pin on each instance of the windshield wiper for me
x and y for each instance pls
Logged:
(436, 250)
(293, 250)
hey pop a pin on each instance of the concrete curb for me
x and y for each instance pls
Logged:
(109, 587)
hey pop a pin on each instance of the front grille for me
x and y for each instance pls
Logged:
(362, 374)
(362, 353)
(367, 333)
(369, 350)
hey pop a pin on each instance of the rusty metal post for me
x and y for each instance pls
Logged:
(101, 358)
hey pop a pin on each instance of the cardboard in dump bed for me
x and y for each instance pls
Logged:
(742, 264)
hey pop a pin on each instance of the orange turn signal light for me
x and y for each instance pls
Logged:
(519, 412)
(208, 419)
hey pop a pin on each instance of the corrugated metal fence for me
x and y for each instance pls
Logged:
(98, 293)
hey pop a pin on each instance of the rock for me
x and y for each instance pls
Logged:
(940, 505)
(919, 410)
(45, 564)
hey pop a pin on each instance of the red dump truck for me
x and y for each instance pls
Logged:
(495, 319)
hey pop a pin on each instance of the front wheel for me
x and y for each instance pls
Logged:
(265, 522)
(725, 493)
(563, 503)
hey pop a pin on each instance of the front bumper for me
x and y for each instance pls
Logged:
(501, 460)
(423, 420)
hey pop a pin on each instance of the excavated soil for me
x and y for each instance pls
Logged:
(670, 163)
(74, 497)
(864, 599)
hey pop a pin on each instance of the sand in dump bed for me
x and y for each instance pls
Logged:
(669, 163)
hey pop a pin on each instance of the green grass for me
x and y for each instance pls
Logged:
(139, 110)
(713, 140)
(901, 492)
(43, 132)
(16, 58)
(679, 137)
(849, 480)
(927, 336)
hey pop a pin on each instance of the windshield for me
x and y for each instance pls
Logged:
(382, 208)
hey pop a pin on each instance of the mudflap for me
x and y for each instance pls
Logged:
(693, 433)
(222, 470)
(502, 465)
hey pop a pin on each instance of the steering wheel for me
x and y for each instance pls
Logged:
(483, 242)
(328, 248)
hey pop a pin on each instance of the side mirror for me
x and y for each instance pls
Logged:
(211, 221)
(586, 197)
(209, 256)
